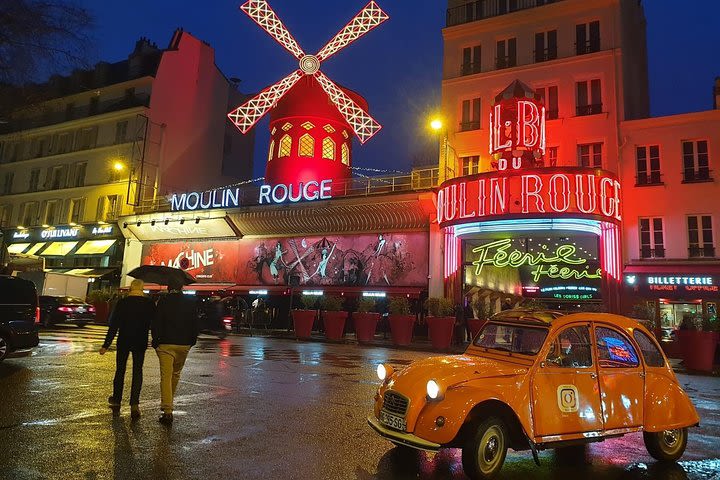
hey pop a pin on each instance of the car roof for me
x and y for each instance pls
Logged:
(558, 319)
(528, 315)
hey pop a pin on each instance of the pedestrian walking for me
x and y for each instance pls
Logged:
(174, 331)
(130, 320)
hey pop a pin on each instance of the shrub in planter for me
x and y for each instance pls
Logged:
(100, 299)
(698, 340)
(304, 316)
(441, 322)
(401, 321)
(365, 320)
(333, 317)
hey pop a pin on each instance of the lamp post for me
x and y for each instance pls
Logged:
(438, 126)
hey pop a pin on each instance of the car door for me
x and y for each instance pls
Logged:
(622, 379)
(566, 396)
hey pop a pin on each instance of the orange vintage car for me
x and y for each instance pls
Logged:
(533, 380)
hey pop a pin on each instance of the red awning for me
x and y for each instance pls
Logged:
(674, 269)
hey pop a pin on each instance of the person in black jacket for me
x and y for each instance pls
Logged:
(174, 331)
(131, 317)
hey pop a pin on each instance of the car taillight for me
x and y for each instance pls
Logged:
(37, 314)
(227, 320)
(91, 309)
(65, 309)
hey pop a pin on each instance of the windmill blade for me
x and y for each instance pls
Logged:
(362, 123)
(369, 17)
(261, 13)
(248, 114)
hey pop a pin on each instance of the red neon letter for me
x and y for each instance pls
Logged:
(581, 195)
(563, 192)
(463, 202)
(607, 197)
(527, 193)
(528, 124)
(497, 196)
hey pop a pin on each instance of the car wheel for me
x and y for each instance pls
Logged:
(666, 446)
(484, 452)
(4, 347)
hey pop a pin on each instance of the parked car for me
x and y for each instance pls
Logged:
(535, 380)
(19, 314)
(54, 310)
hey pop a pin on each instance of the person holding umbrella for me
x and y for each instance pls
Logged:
(131, 316)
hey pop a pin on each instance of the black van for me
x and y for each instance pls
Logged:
(18, 315)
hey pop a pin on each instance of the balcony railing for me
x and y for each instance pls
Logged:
(470, 68)
(482, 9)
(645, 178)
(468, 126)
(545, 55)
(584, 110)
(589, 46)
(505, 62)
(657, 252)
(706, 251)
(552, 114)
(690, 175)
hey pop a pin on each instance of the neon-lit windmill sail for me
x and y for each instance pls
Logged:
(247, 115)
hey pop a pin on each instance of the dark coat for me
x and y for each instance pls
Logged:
(131, 317)
(176, 321)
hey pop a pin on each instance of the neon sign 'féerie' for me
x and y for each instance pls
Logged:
(497, 255)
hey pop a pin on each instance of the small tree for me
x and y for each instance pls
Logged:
(366, 305)
(399, 306)
(331, 303)
(307, 302)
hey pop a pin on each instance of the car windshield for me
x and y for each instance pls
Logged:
(512, 338)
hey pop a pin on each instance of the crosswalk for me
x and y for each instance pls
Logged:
(94, 334)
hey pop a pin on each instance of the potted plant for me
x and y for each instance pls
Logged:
(441, 322)
(401, 321)
(481, 313)
(365, 320)
(333, 317)
(698, 338)
(100, 299)
(304, 316)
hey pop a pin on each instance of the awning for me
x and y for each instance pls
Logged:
(195, 287)
(59, 249)
(35, 248)
(95, 247)
(84, 272)
(674, 269)
(17, 247)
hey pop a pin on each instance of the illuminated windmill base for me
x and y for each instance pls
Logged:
(309, 139)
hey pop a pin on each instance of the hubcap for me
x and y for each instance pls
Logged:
(3, 347)
(671, 437)
(489, 450)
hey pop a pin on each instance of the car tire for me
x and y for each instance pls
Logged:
(4, 346)
(484, 451)
(666, 446)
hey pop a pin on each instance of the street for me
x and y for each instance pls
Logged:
(261, 408)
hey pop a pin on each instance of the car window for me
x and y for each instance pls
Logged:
(17, 292)
(615, 349)
(650, 352)
(571, 349)
(512, 338)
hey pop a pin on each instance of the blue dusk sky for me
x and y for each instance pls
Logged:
(396, 67)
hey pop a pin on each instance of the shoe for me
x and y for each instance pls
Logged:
(112, 403)
(134, 411)
(166, 418)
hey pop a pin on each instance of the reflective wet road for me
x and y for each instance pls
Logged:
(258, 408)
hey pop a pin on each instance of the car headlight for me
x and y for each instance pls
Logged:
(433, 390)
(384, 372)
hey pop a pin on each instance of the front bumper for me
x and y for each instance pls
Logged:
(407, 439)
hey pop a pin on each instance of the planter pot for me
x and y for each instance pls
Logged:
(401, 328)
(441, 332)
(303, 322)
(365, 325)
(698, 349)
(475, 325)
(334, 324)
(102, 311)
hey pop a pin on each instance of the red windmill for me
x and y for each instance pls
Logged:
(309, 135)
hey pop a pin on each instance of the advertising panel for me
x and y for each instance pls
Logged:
(206, 228)
(392, 259)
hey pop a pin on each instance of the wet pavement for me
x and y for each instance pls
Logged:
(261, 408)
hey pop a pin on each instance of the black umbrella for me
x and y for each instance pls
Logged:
(162, 275)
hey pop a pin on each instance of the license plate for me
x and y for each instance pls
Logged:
(80, 309)
(393, 421)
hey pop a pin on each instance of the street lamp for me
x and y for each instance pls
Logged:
(118, 166)
(438, 126)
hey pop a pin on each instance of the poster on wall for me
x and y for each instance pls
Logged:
(387, 259)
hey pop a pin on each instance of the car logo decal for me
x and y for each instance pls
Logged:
(567, 398)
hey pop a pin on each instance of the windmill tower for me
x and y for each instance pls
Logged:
(313, 119)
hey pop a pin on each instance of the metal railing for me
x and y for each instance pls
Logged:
(645, 178)
(507, 61)
(706, 251)
(545, 54)
(657, 252)
(482, 9)
(584, 110)
(468, 126)
(588, 46)
(691, 175)
(470, 68)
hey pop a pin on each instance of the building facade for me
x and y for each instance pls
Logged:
(113, 141)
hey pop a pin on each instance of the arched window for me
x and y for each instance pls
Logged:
(345, 154)
(285, 146)
(271, 153)
(307, 145)
(328, 149)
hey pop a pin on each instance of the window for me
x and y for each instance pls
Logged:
(470, 115)
(80, 170)
(695, 161)
(30, 214)
(614, 349)
(34, 179)
(648, 165)
(650, 352)
(471, 60)
(546, 46)
(587, 38)
(506, 53)
(38, 147)
(271, 152)
(571, 349)
(307, 146)
(590, 155)
(108, 208)
(652, 244)
(328, 149)
(93, 108)
(7, 184)
(76, 210)
(65, 141)
(69, 108)
(121, 132)
(58, 177)
(285, 146)
(700, 236)
(129, 93)
(86, 138)
(5, 215)
(550, 100)
(470, 165)
(345, 152)
(511, 338)
(589, 97)
(552, 156)
(52, 212)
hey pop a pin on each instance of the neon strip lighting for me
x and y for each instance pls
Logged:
(374, 294)
(258, 292)
(189, 292)
(524, 225)
(314, 293)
